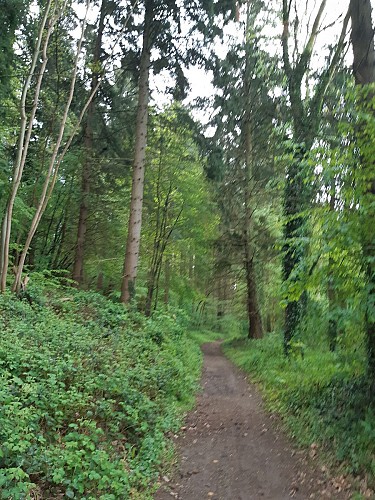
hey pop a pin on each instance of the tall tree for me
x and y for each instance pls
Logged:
(51, 14)
(364, 72)
(162, 30)
(245, 110)
(136, 204)
(88, 150)
(306, 114)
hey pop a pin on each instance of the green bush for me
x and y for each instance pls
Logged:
(88, 392)
(323, 397)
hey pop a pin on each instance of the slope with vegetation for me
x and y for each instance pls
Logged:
(88, 393)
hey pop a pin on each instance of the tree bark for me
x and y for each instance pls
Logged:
(254, 316)
(362, 42)
(135, 220)
(253, 311)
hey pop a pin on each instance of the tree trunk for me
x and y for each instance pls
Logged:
(364, 72)
(77, 273)
(306, 115)
(293, 250)
(363, 42)
(55, 160)
(254, 317)
(25, 136)
(136, 203)
(255, 320)
(331, 291)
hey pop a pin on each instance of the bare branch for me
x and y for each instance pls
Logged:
(326, 78)
(305, 57)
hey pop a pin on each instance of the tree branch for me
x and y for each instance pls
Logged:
(305, 57)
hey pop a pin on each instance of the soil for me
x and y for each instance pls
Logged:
(231, 449)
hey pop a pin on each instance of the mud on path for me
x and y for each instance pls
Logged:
(230, 448)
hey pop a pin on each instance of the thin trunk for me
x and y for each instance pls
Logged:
(55, 160)
(77, 273)
(160, 221)
(220, 290)
(100, 281)
(255, 323)
(159, 248)
(24, 137)
(364, 72)
(135, 219)
(293, 249)
(150, 292)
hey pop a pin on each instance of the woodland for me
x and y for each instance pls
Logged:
(137, 223)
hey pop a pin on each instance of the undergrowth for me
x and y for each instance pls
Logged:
(323, 397)
(202, 336)
(88, 393)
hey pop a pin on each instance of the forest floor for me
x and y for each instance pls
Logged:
(230, 448)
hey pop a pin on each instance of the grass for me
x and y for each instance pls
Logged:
(203, 336)
(323, 398)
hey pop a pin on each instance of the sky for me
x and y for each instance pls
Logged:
(200, 82)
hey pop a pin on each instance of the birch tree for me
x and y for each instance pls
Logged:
(48, 20)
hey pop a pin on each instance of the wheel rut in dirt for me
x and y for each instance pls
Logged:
(230, 448)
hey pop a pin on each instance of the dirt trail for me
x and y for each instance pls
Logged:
(230, 449)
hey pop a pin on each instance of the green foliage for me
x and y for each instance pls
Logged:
(323, 397)
(88, 392)
(204, 336)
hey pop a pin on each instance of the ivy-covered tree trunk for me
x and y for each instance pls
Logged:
(294, 249)
(77, 273)
(306, 119)
(136, 202)
(364, 72)
(331, 290)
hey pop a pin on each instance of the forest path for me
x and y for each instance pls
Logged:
(231, 449)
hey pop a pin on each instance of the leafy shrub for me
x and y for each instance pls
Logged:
(87, 394)
(323, 397)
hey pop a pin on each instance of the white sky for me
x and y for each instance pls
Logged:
(200, 83)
